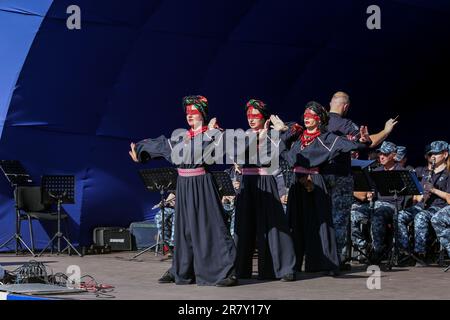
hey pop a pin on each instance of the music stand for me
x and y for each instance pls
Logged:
(17, 176)
(223, 183)
(361, 175)
(396, 183)
(59, 189)
(160, 180)
(361, 183)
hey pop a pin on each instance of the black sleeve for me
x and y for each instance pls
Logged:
(448, 184)
(344, 145)
(159, 148)
(351, 128)
(288, 138)
(419, 172)
(327, 148)
(292, 133)
(290, 156)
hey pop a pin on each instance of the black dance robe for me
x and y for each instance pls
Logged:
(260, 220)
(204, 249)
(310, 213)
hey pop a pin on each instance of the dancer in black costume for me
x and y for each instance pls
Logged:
(309, 202)
(205, 251)
(259, 213)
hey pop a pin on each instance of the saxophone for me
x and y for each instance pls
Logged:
(427, 194)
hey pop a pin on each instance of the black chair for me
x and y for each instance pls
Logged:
(30, 206)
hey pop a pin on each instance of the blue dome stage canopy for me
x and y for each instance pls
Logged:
(71, 101)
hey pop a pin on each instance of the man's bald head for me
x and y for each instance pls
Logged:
(340, 102)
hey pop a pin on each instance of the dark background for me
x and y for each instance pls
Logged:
(83, 95)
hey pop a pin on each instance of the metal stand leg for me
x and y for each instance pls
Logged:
(159, 243)
(58, 235)
(50, 243)
(18, 238)
(30, 227)
(159, 248)
(70, 246)
(147, 249)
(9, 240)
(394, 252)
(19, 241)
(17, 176)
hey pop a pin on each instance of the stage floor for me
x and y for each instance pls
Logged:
(137, 279)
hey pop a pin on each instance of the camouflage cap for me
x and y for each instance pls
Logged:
(401, 153)
(437, 147)
(387, 147)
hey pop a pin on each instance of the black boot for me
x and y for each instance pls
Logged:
(228, 282)
(333, 273)
(288, 277)
(167, 278)
(345, 266)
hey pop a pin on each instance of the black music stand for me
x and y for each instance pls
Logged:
(396, 183)
(362, 183)
(17, 176)
(361, 175)
(223, 183)
(59, 189)
(161, 180)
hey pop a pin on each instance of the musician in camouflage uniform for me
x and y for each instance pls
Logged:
(441, 220)
(384, 208)
(436, 184)
(169, 220)
(441, 224)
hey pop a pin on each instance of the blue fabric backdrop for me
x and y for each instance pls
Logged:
(72, 100)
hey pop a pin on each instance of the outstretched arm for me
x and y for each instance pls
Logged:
(379, 137)
(289, 132)
(148, 149)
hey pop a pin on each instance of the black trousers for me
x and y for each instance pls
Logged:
(204, 249)
(311, 221)
(260, 220)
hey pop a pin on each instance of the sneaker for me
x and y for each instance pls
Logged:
(288, 277)
(167, 278)
(227, 282)
(332, 273)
